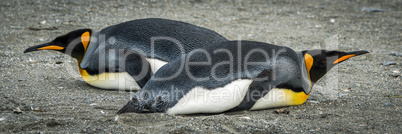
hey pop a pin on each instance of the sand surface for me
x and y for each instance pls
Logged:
(359, 95)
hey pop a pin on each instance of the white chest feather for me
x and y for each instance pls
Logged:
(120, 80)
(274, 98)
(113, 81)
(200, 100)
(279, 98)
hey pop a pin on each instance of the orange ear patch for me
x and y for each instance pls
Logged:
(52, 47)
(344, 58)
(85, 37)
(308, 59)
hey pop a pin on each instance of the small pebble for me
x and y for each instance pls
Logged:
(387, 63)
(37, 109)
(43, 22)
(396, 54)
(387, 104)
(16, 27)
(394, 75)
(325, 115)
(93, 104)
(2, 119)
(248, 118)
(314, 101)
(17, 110)
(370, 9)
(332, 20)
(116, 117)
(282, 111)
(346, 90)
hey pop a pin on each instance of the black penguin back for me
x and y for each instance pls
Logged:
(168, 37)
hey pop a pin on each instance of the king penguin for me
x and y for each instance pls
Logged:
(125, 56)
(233, 76)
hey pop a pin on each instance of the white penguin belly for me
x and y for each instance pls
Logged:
(155, 64)
(113, 81)
(201, 100)
(279, 98)
(119, 80)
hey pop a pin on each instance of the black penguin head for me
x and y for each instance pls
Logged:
(73, 43)
(319, 62)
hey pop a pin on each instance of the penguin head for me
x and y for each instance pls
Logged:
(73, 43)
(319, 62)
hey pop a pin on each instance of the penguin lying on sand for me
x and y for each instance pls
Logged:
(235, 75)
(130, 51)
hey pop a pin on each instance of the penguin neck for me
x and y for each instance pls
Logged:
(83, 72)
(92, 44)
(91, 48)
(307, 84)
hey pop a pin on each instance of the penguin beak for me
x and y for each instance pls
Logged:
(349, 55)
(46, 46)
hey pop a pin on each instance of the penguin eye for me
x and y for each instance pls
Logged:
(85, 37)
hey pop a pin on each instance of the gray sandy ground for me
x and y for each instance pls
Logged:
(359, 95)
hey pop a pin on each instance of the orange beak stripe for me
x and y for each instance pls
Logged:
(52, 47)
(344, 58)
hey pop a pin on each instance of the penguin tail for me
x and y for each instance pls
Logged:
(132, 106)
(349, 55)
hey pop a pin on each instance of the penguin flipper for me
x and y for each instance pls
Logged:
(137, 66)
(267, 79)
(261, 85)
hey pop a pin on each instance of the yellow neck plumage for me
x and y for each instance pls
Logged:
(85, 38)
